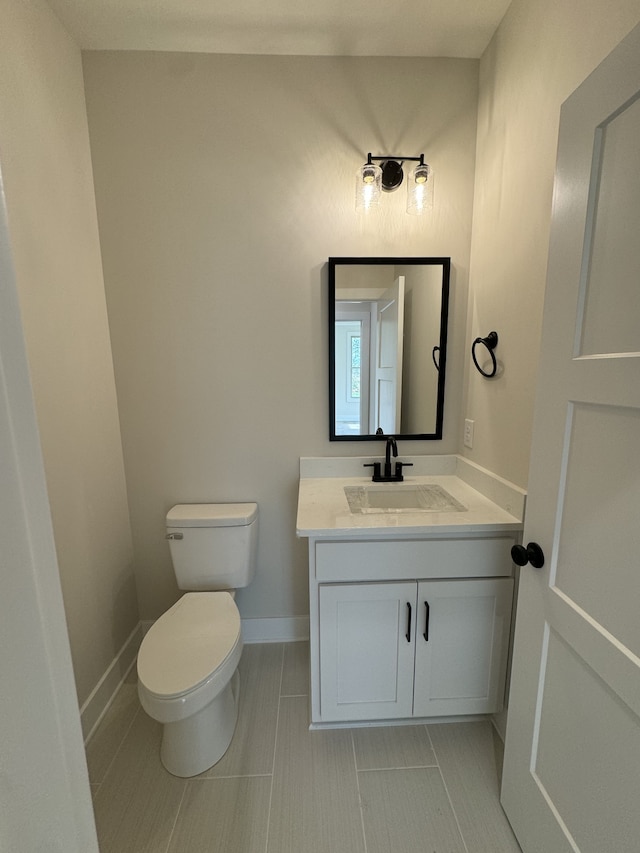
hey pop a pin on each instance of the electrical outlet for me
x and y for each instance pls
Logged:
(468, 432)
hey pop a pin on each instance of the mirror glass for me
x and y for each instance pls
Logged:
(387, 347)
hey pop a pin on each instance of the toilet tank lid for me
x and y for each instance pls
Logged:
(212, 515)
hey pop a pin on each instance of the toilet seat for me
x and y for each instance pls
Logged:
(190, 646)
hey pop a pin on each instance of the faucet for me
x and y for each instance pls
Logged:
(392, 447)
(387, 477)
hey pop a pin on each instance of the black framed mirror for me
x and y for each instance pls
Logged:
(387, 347)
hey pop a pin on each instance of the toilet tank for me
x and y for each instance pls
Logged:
(213, 546)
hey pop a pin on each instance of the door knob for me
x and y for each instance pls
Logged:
(531, 554)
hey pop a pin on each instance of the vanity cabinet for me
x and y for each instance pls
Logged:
(413, 649)
(409, 628)
(461, 656)
(366, 665)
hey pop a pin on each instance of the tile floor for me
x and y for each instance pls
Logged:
(283, 789)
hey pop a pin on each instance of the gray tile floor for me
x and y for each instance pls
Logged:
(283, 789)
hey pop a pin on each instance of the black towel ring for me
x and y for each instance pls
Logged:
(433, 356)
(490, 342)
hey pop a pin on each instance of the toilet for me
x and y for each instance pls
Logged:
(187, 663)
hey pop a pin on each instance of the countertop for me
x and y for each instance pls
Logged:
(323, 509)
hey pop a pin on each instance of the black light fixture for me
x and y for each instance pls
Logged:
(392, 175)
(372, 179)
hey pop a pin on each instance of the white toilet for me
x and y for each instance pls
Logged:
(187, 663)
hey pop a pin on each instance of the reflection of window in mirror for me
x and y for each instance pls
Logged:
(352, 369)
(355, 367)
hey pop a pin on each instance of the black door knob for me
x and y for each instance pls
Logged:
(531, 554)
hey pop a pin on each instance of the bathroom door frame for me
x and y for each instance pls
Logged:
(45, 797)
(389, 338)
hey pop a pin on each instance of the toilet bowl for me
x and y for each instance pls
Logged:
(188, 680)
(187, 663)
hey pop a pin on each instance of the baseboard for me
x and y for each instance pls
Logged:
(499, 721)
(284, 629)
(103, 694)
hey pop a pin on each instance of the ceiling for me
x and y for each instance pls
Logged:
(455, 28)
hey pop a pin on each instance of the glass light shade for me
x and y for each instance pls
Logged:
(420, 189)
(368, 187)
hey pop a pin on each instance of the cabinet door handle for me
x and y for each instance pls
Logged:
(408, 634)
(426, 621)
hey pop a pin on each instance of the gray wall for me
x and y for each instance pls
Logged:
(223, 184)
(541, 52)
(46, 167)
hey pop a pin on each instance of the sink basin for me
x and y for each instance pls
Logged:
(398, 497)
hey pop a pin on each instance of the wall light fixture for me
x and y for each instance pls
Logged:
(372, 179)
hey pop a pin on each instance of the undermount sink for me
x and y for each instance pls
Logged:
(399, 497)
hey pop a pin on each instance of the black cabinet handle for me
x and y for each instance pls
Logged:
(426, 621)
(408, 634)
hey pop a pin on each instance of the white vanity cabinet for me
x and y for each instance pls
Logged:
(366, 664)
(409, 628)
(461, 659)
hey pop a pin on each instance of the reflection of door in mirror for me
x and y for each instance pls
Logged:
(424, 304)
(386, 317)
(389, 334)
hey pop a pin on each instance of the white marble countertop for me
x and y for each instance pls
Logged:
(323, 509)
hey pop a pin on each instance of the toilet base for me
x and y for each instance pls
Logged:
(195, 744)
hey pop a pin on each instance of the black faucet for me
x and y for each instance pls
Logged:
(392, 447)
(387, 476)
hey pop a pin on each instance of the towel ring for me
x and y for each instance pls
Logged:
(490, 342)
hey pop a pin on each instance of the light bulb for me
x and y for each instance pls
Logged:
(420, 189)
(368, 187)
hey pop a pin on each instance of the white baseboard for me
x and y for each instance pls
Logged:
(499, 721)
(283, 629)
(103, 694)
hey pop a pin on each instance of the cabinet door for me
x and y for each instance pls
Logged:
(366, 650)
(462, 639)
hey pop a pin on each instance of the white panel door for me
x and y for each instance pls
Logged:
(366, 650)
(389, 358)
(571, 777)
(462, 637)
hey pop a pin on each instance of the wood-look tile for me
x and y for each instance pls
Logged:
(252, 747)
(137, 804)
(295, 673)
(229, 815)
(315, 806)
(111, 731)
(388, 747)
(408, 810)
(467, 757)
